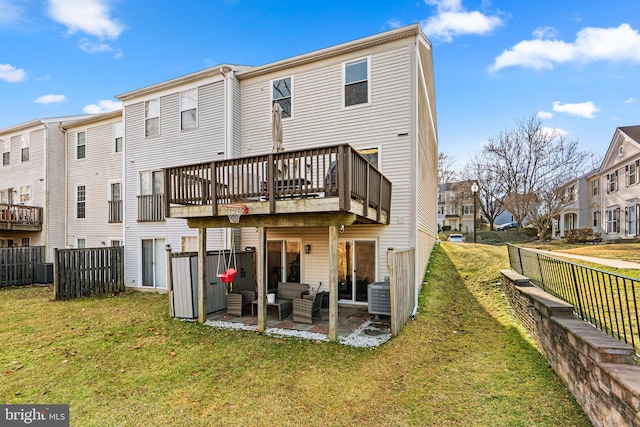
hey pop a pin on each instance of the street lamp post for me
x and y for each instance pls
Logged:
(474, 190)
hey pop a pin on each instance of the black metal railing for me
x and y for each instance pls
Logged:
(115, 211)
(606, 300)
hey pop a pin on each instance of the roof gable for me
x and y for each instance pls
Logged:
(624, 145)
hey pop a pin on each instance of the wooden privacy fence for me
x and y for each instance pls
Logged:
(91, 271)
(17, 265)
(402, 284)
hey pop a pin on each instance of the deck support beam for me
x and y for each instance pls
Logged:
(333, 283)
(202, 266)
(262, 286)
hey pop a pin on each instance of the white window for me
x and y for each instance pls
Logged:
(6, 153)
(3, 196)
(612, 180)
(151, 182)
(612, 216)
(571, 193)
(115, 192)
(25, 242)
(356, 82)
(282, 94)
(115, 243)
(632, 173)
(595, 186)
(25, 193)
(81, 242)
(25, 143)
(81, 140)
(467, 210)
(371, 154)
(452, 195)
(189, 244)
(152, 117)
(81, 199)
(118, 135)
(452, 210)
(440, 210)
(632, 220)
(596, 215)
(189, 109)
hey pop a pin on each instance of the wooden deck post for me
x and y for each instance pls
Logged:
(169, 278)
(333, 283)
(260, 277)
(202, 265)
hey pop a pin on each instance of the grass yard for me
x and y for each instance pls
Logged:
(121, 361)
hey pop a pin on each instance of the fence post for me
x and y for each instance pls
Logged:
(56, 280)
(577, 290)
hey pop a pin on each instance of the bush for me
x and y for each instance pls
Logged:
(578, 235)
(446, 228)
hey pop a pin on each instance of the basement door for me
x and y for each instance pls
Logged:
(356, 269)
(154, 263)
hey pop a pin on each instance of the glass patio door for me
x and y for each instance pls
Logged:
(356, 269)
(283, 262)
(154, 263)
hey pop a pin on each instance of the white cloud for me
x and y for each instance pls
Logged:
(11, 74)
(631, 100)
(394, 23)
(50, 99)
(545, 33)
(552, 132)
(10, 13)
(582, 109)
(103, 106)
(91, 47)
(621, 44)
(88, 16)
(544, 115)
(453, 20)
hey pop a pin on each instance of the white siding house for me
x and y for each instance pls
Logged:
(94, 158)
(32, 184)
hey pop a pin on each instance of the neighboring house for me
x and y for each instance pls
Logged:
(608, 199)
(358, 119)
(455, 206)
(577, 212)
(32, 184)
(94, 151)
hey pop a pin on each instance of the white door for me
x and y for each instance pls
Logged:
(154, 263)
(356, 269)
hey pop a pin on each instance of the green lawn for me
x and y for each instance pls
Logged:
(122, 361)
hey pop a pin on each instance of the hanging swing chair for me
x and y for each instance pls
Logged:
(230, 272)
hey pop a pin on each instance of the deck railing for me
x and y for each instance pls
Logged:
(150, 208)
(18, 214)
(606, 300)
(115, 211)
(334, 171)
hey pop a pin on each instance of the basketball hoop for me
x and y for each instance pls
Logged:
(234, 212)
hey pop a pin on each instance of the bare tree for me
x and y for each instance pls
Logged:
(530, 161)
(491, 190)
(446, 172)
(547, 205)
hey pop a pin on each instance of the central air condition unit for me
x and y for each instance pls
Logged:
(379, 295)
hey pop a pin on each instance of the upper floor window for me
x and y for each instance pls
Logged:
(452, 195)
(452, 210)
(189, 109)
(81, 200)
(571, 193)
(371, 155)
(3, 196)
(440, 210)
(118, 135)
(612, 182)
(151, 182)
(595, 186)
(152, 117)
(356, 82)
(281, 93)
(467, 210)
(6, 153)
(25, 143)
(25, 193)
(81, 148)
(632, 172)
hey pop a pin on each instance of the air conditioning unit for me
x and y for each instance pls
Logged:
(379, 296)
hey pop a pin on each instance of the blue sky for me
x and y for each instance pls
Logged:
(574, 63)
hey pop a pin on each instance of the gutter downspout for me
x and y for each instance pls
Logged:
(228, 131)
(66, 187)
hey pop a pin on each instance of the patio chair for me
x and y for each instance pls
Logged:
(305, 308)
(238, 300)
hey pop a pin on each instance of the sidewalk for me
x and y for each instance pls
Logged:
(615, 263)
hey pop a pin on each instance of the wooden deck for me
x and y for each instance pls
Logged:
(20, 218)
(310, 187)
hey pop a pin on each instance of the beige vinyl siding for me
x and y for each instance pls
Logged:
(101, 167)
(320, 119)
(173, 147)
(52, 140)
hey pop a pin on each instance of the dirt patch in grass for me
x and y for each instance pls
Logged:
(123, 361)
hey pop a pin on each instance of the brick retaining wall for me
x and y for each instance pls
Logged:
(597, 369)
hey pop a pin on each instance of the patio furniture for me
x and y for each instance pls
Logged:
(283, 306)
(238, 300)
(305, 308)
(291, 291)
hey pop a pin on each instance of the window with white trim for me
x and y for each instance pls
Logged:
(595, 186)
(632, 173)
(152, 117)
(25, 143)
(612, 217)
(189, 109)
(6, 152)
(371, 155)
(467, 210)
(81, 243)
(25, 193)
(81, 147)
(4, 198)
(282, 94)
(356, 82)
(612, 182)
(25, 242)
(440, 210)
(452, 210)
(596, 215)
(81, 200)
(118, 135)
